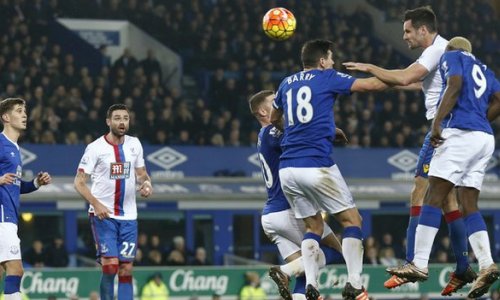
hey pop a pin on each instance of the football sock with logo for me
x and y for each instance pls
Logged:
(458, 238)
(479, 240)
(107, 281)
(428, 226)
(125, 289)
(310, 254)
(12, 287)
(352, 248)
(410, 232)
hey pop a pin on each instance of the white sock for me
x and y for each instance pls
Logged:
(321, 259)
(293, 268)
(480, 243)
(424, 238)
(310, 255)
(298, 297)
(14, 296)
(352, 248)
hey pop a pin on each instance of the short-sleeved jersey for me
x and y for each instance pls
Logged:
(307, 100)
(478, 85)
(432, 82)
(112, 169)
(269, 151)
(10, 162)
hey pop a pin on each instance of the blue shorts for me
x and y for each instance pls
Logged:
(424, 157)
(114, 238)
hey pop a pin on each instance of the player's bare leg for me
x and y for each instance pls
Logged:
(14, 273)
(352, 249)
(479, 240)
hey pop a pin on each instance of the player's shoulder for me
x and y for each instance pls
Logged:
(132, 139)
(270, 132)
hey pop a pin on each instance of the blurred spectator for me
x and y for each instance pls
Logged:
(57, 256)
(200, 257)
(371, 256)
(387, 257)
(35, 255)
(252, 289)
(94, 295)
(155, 288)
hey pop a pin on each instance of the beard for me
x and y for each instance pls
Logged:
(118, 133)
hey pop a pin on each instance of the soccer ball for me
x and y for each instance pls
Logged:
(279, 23)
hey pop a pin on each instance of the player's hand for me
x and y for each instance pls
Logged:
(436, 138)
(146, 189)
(43, 178)
(354, 66)
(101, 211)
(340, 136)
(8, 178)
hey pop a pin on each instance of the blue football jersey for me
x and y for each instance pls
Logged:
(478, 85)
(307, 100)
(269, 151)
(10, 162)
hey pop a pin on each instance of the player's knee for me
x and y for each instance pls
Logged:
(125, 269)
(110, 269)
(14, 268)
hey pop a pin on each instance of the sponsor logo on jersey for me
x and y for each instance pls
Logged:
(119, 170)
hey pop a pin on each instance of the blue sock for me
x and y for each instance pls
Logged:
(311, 235)
(352, 232)
(410, 232)
(458, 238)
(107, 286)
(125, 289)
(12, 284)
(332, 256)
(430, 216)
(474, 223)
(300, 285)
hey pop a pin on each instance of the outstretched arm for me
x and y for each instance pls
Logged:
(450, 97)
(371, 84)
(413, 73)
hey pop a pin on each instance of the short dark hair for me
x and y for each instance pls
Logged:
(114, 107)
(422, 16)
(313, 51)
(7, 105)
(256, 100)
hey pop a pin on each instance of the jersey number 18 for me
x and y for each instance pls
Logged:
(304, 110)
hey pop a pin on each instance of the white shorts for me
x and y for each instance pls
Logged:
(463, 157)
(311, 190)
(10, 244)
(286, 231)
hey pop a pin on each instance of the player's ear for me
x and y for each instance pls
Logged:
(5, 117)
(108, 121)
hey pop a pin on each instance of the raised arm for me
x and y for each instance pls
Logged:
(413, 73)
(371, 84)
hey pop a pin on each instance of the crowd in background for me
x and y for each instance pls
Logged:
(225, 52)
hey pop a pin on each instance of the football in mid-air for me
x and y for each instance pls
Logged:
(279, 23)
